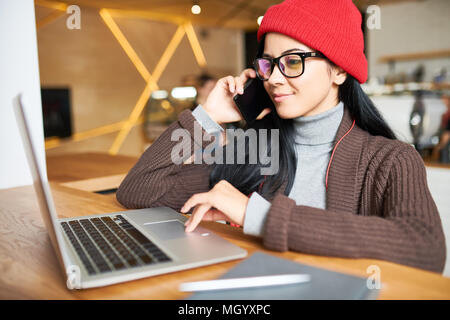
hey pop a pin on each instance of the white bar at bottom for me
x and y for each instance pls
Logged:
(248, 282)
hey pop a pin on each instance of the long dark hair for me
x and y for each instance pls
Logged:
(247, 178)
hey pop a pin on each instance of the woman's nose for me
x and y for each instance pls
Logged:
(276, 77)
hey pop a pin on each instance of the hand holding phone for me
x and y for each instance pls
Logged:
(223, 105)
(254, 103)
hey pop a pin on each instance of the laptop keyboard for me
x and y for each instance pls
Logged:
(105, 244)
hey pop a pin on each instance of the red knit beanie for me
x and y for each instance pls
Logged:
(332, 27)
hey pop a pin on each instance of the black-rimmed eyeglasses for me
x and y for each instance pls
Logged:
(291, 65)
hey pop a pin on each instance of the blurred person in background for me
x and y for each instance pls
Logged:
(203, 84)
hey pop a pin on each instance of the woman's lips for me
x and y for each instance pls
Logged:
(281, 97)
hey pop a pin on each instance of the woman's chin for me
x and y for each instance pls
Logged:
(288, 112)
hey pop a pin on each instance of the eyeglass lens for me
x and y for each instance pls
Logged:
(289, 65)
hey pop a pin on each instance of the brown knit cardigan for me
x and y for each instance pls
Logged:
(378, 202)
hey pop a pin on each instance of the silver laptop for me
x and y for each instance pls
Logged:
(100, 250)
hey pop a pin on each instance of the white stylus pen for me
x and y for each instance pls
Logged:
(248, 282)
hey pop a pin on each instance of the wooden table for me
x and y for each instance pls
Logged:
(29, 268)
(81, 166)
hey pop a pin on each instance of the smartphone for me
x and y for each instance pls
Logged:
(254, 100)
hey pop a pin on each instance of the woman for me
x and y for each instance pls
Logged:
(345, 187)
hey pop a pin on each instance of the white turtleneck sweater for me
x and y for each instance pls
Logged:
(314, 142)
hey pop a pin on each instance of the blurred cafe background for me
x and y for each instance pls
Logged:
(114, 74)
(113, 82)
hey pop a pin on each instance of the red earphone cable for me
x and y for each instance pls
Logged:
(332, 154)
(329, 162)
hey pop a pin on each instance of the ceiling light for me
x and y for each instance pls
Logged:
(183, 92)
(196, 8)
(159, 94)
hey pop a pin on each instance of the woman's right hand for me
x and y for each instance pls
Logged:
(220, 105)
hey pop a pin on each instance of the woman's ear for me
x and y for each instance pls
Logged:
(339, 75)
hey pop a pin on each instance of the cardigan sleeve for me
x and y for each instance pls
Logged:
(156, 180)
(408, 231)
(205, 120)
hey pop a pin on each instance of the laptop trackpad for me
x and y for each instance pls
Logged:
(166, 230)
